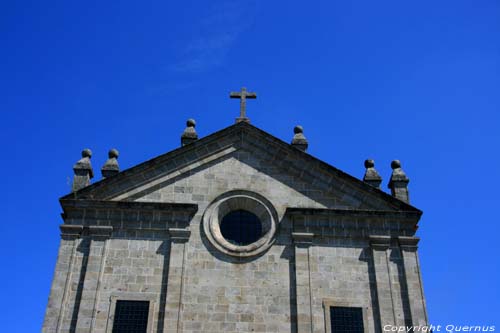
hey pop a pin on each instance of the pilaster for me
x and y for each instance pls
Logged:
(86, 314)
(173, 303)
(302, 242)
(418, 310)
(60, 283)
(380, 246)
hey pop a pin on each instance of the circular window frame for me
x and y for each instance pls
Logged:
(240, 200)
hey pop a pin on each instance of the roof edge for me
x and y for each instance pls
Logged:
(151, 163)
(356, 181)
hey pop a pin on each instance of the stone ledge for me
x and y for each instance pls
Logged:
(128, 215)
(297, 211)
(71, 231)
(302, 238)
(179, 235)
(351, 223)
(408, 243)
(380, 242)
(100, 231)
(127, 205)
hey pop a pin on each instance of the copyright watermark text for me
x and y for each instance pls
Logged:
(440, 328)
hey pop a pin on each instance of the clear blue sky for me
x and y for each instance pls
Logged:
(413, 80)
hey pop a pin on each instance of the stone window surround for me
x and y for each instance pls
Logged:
(130, 296)
(235, 200)
(327, 303)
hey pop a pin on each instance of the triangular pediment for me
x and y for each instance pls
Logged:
(241, 156)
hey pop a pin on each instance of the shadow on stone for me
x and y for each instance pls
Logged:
(164, 250)
(84, 249)
(396, 257)
(288, 254)
(366, 256)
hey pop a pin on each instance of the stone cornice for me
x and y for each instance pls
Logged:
(78, 208)
(297, 211)
(70, 231)
(124, 205)
(352, 224)
(127, 215)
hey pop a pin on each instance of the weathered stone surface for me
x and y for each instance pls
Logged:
(139, 235)
(243, 95)
(189, 135)
(371, 176)
(83, 171)
(299, 140)
(398, 184)
(111, 167)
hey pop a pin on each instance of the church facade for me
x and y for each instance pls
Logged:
(235, 232)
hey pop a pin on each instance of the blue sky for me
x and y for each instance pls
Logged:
(414, 80)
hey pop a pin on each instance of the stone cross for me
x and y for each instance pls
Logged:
(243, 95)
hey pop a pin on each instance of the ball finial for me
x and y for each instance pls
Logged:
(191, 122)
(113, 153)
(87, 153)
(298, 129)
(395, 164)
(369, 163)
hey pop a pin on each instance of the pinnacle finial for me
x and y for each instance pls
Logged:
(371, 176)
(113, 153)
(298, 129)
(299, 140)
(189, 135)
(111, 167)
(395, 164)
(398, 184)
(87, 153)
(83, 171)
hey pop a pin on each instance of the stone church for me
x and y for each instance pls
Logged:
(238, 231)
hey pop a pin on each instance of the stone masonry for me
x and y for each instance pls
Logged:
(141, 234)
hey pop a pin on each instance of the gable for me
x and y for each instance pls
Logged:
(242, 157)
(238, 171)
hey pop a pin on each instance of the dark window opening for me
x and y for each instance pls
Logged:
(346, 320)
(131, 317)
(241, 227)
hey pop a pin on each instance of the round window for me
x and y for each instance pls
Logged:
(240, 223)
(240, 227)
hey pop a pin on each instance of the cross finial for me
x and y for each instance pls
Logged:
(243, 95)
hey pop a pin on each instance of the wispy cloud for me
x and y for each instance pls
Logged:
(219, 30)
